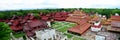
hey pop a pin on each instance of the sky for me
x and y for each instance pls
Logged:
(43, 4)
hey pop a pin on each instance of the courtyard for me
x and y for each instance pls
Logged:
(63, 26)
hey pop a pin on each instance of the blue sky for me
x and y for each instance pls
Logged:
(41, 4)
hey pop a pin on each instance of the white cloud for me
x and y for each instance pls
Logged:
(86, 3)
(33, 4)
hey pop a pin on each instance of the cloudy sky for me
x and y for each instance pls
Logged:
(40, 4)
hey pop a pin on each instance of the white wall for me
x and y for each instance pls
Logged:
(45, 34)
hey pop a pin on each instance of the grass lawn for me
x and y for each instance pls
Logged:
(63, 29)
(62, 26)
(76, 38)
(69, 35)
(55, 26)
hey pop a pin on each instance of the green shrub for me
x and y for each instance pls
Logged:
(18, 34)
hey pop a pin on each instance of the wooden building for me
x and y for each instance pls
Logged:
(81, 18)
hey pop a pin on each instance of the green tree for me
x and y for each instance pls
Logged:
(2, 15)
(4, 31)
(36, 15)
(19, 14)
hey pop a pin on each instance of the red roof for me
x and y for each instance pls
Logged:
(64, 13)
(31, 17)
(115, 18)
(16, 28)
(57, 16)
(80, 29)
(28, 24)
(115, 23)
(60, 16)
(15, 25)
(44, 17)
(26, 17)
(77, 17)
(34, 25)
(116, 29)
(82, 21)
(29, 34)
(71, 19)
(78, 20)
(15, 22)
(26, 27)
(48, 15)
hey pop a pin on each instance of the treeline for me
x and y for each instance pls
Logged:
(10, 13)
(107, 12)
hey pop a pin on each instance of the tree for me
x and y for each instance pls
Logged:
(19, 14)
(2, 15)
(116, 11)
(36, 15)
(4, 31)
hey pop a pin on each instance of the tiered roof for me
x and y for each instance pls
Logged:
(59, 16)
(113, 18)
(77, 17)
(117, 18)
(115, 21)
(28, 24)
(34, 25)
(81, 18)
(95, 18)
(115, 24)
